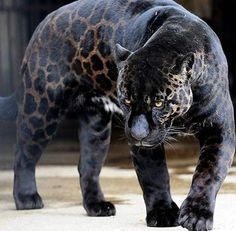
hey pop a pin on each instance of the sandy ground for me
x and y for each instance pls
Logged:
(63, 210)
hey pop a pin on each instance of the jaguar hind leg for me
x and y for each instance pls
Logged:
(33, 135)
(25, 189)
(94, 143)
(36, 125)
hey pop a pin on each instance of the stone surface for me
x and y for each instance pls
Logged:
(59, 187)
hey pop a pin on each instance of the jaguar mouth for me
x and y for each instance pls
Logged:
(143, 144)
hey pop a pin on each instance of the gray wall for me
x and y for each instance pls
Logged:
(202, 8)
(13, 41)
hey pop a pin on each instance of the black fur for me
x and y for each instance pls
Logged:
(169, 71)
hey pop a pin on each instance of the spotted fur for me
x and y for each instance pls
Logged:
(168, 70)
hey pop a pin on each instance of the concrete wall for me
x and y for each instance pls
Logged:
(202, 8)
(13, 40)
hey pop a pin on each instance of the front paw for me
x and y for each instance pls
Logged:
(196, 215)
(26, 202)
(100, 209)
(163, 216)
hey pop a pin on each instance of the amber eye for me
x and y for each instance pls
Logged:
(127, 101)
(159, 104)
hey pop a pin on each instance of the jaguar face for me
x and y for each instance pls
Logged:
(152, 93)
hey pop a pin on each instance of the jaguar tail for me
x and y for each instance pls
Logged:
(8, 108)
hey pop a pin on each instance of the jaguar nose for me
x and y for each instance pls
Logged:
(140, 128)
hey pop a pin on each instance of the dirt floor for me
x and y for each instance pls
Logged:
(59, 187)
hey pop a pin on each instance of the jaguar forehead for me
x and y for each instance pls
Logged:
(108, 105)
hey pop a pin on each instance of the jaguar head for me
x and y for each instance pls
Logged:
(154, 89)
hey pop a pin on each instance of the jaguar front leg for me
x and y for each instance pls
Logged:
(94, 138)
(151, 169)
(217, 150)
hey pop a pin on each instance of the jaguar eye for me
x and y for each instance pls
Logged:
(127, 101)
(159, 104)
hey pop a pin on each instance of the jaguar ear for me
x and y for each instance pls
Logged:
(188, 62)
(122, 53)
(184, 63)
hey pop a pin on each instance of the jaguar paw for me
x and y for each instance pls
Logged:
(163, 216)
(195, 217)
(100, 209)
(26, 202)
